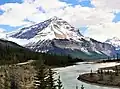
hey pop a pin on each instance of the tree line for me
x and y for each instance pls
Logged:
(13, 55)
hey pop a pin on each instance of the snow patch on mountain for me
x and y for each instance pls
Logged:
(21, 42)
(115, 42)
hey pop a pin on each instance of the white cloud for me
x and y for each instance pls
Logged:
(15, 13)
(104, 31)
(82, 16)
(98, 19)
(78, 16)
(113, 5)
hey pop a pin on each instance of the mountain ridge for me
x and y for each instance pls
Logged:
(57, 36)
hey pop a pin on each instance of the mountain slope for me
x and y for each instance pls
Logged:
(115, 42)
(57, 36)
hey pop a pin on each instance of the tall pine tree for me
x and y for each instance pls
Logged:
(51, 80)
(41, 78)
(59, 83)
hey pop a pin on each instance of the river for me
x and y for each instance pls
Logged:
(69, 75)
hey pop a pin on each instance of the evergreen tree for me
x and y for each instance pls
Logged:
(98, 71)
(41, 78)
(51, 80)
(101, 71)
(82, 87)
(59, 83)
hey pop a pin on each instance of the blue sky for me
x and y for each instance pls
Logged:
(87, 15)
(9, 28)
(10, 1)
(117, 17)
(84, 3)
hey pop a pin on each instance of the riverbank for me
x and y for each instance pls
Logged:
(108, 61)
(104, 78)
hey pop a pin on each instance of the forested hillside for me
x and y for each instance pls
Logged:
(11, 53)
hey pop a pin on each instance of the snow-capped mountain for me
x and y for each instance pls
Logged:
(49, 29)
(115, 42)
(57, 36)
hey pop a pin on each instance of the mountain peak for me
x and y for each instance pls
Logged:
(55, 18)
(116, 38)
(53, 28)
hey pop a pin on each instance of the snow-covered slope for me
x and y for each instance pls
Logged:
(57, 36)
(115, 42)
